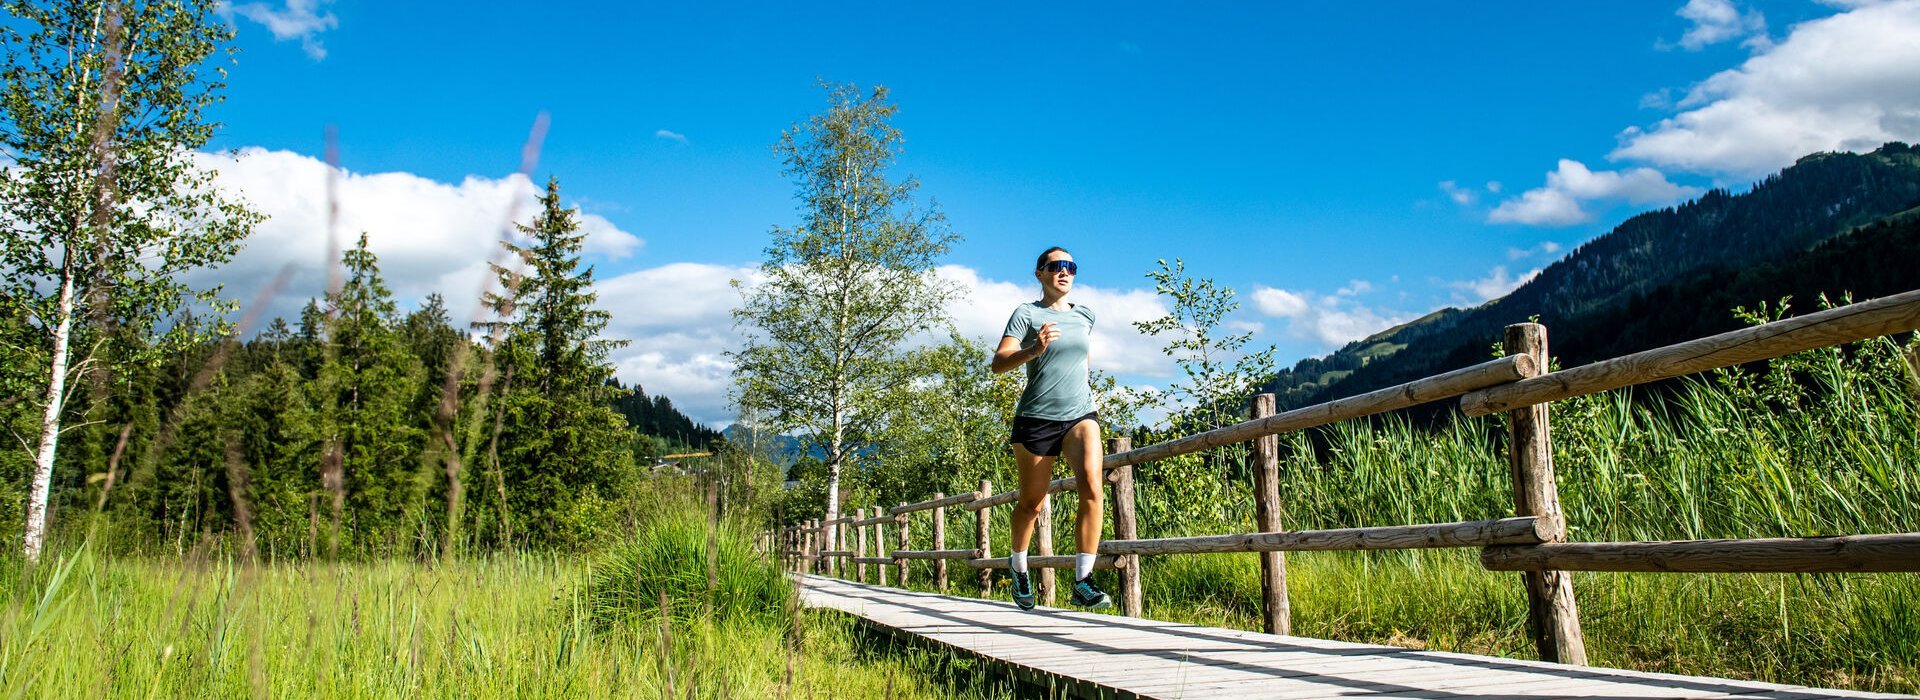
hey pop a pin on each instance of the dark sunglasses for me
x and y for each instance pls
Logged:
(1061, 265)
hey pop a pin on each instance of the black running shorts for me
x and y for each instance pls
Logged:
(1044, 437)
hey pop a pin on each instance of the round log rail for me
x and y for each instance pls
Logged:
(1785, 555)
(875, 520)
(1479, 533)
(932, 553)
(883, 561)
(1393, 398)
(1102, 561)
(930, 505)
(836, 553)
(1845, 324)
(1056, 486)
(836, 521)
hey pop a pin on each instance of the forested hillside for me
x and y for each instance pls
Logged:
(1833, 224)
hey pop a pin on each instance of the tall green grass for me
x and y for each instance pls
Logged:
(520, 625)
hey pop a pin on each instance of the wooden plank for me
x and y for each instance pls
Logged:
(1476, 533)
(1846, 324)
(1109, 656)
(1850, 553)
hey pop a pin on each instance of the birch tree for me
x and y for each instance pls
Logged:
(843, 290)
(105, 208)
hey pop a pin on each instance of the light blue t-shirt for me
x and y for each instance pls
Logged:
(1057, 383)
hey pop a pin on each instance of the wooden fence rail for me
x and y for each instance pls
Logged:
(1530, 541)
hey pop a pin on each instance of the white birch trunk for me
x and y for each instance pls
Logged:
(50, 425)
(834, 460)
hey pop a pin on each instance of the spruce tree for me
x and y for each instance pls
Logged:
(367, 383)
(562, 447)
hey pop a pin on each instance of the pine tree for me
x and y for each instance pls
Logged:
(562, 447)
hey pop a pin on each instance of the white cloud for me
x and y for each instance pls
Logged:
(1331, 320)
(983, 306)
(670, 136)
(1570, 185)
(430, 236)
(299, 19)
(1279, 303)
(1715, 21)
(679, 317)
(1847, 82)
(1545, 248)
(1497, 283)
(1460, 195)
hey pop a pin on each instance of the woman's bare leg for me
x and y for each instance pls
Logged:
(1036, 473)
(1083, 453)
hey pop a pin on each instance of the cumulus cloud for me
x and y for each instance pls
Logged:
(670, 136)
(1560, 202)
(1331, 320)
(1840, 83)
(983, 306)
(679, 317)
(1496, 284)
(297, 19)
(1715, 21)
(430, 236)
(679, 348)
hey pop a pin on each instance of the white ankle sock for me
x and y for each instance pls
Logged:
(1018, 560)
(1082, 565)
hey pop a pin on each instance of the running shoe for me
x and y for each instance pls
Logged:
(1086, 596)
(1022, 590)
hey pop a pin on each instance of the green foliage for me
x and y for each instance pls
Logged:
(943, 431)
(841, 292)
(1205, 490)
(366, 388)
(101, 109)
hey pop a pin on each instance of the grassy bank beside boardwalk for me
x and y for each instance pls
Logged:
(519, 626)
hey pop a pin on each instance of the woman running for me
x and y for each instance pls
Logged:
(1055, 416)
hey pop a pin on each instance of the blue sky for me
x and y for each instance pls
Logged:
(1343, 165)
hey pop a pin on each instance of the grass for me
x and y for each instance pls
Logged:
(519, 625)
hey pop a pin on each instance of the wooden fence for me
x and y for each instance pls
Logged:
(1532, 541)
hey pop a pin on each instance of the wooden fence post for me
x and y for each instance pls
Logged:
(1266, 513)
(1043, 531)
(983, 538)
(1553, 616)
(880, 544)
(1126, 527)
(940, 542)
(900, 525)
(811, 552)
(859, 537)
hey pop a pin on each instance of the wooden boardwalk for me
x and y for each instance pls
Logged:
(1095, 655)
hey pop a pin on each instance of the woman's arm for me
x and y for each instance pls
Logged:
(1011, 355)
